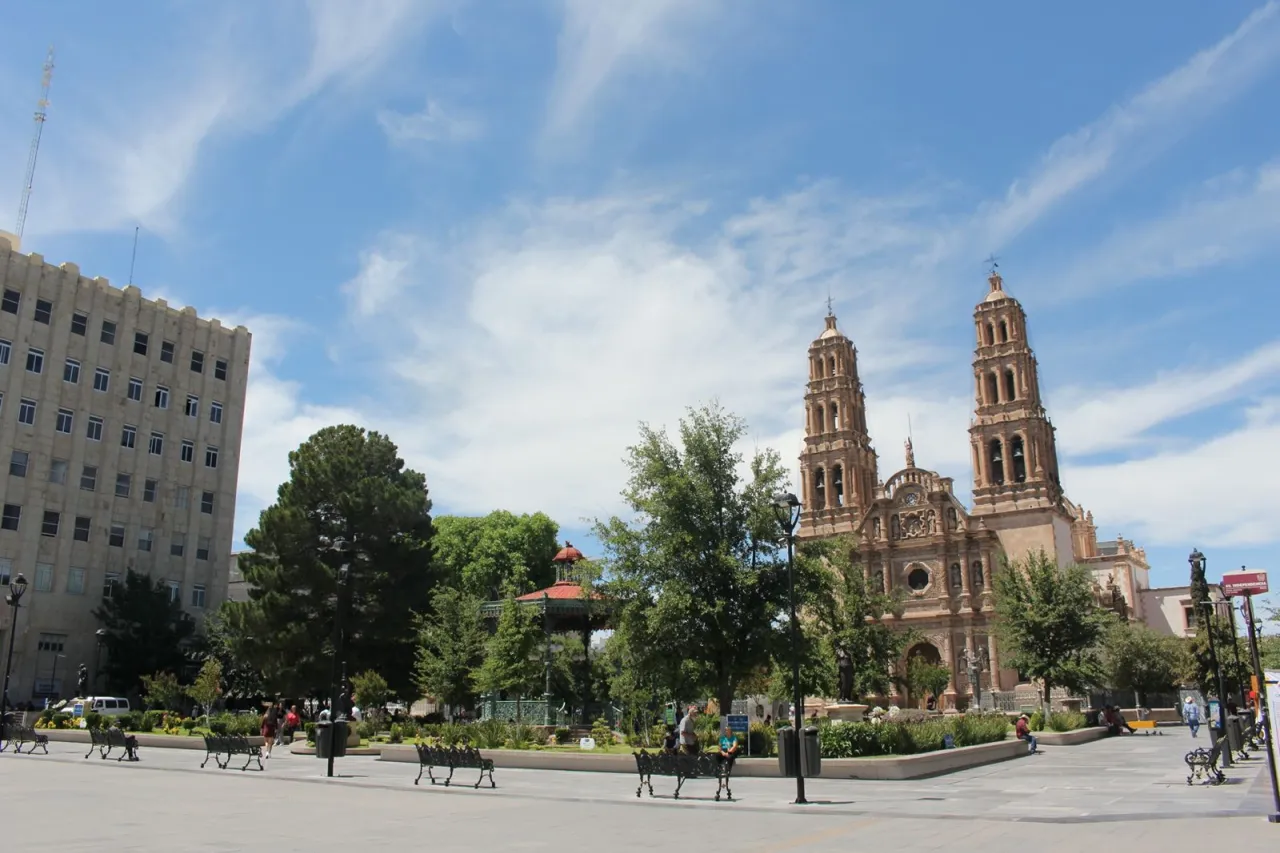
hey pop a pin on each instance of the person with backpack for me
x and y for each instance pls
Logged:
(1191, 715)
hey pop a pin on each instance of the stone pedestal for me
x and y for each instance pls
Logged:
(846, 713)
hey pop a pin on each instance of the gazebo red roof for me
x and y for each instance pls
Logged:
(560, 590)
(568, 554)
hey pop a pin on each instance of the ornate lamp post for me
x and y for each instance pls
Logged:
(1197, 561)
(101, 636)
(787, 509)
(17, 588)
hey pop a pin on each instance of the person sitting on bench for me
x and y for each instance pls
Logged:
(1116, 722)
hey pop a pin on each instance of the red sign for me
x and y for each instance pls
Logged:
(1244, 583)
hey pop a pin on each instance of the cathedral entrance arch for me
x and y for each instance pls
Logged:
(925, 652)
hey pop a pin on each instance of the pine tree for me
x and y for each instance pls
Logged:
(451, 648)
(510, 663)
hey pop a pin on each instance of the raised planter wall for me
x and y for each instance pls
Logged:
(1071, 738)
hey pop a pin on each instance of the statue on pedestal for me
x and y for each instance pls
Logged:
(82, 681)
(844, 664)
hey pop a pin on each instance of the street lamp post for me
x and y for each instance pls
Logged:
(53, 678)
(1274, 817)
(1235, 641)
(787, 509)
(340, 547)
(17, 587)
(101, 635)
(1197, 561)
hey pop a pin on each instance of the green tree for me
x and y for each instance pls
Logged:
(925, 678)
(697, 573)
(207, 686)
(1142, 660)
(451, 647)
(162, 691)
(1049, 622)
(348, 485)
(1269, 652)
(511, 662)
(371, 694)
(488, 554)
(1232, 653)
(223, 643)
(146, 632)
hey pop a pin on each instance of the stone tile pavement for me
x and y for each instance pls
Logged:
(1128, 793)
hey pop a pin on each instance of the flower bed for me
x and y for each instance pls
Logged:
(911, 737)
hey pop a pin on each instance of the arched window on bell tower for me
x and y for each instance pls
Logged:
(1010, 385)
(991, 334)
(993, 390)
(996, 455)
(835, 415)
(1004, 332)
(819, 489)
(831, 365)
(837, 485)
(819, 420)
(1019, 459)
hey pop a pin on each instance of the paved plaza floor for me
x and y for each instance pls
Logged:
(1126, 793)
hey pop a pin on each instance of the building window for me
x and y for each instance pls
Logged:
(1010, 385)
(65, 421)
(44, 583)
(177, 545)
(79, 324)
(140, 342)
(11, 300)
(51, 643)
(135, 389)
(58, 471)
(146, 536)
(149, 491)
(71, 371)
(6, 351)
(108, 335)
(166, 352)
(162, 397)
(202, 548)
(124, 483)
(94, 431)
(27, 412)
(188, 451)
(44, 311)
(206, 503)
(6, 570)
(116, 537)
(101, 379)
(11, 518)
(215, 413)
(175, 592)
(89, 478)
(75, 581)
(837, 484)
(35, 360)
(918, 579)
(193, 406)
(128, 436)
(83, 523)
(211, 457)
(51, 522)
(109, 583)
(1019, 459)
(197, 595)
(819, 489)
(1189, 614)
(156, 445)
(182, 497)
(997, 461)
(197, 361)
(220, 369)
(18, 463)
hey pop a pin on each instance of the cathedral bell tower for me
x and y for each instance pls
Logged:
(1015, 459)
(837, 465)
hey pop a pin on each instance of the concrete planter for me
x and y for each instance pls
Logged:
(1071, 738)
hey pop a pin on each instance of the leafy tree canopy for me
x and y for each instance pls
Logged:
(511, 663)
(1048, 621)
(345, 484)
(1142, 660)
(146, 632)
(697, 573)
(486, 555)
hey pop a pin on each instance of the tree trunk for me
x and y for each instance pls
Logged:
(1048, 686)
(724, 698)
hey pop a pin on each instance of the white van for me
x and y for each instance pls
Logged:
(108, 706)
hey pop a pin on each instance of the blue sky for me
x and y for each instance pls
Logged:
(505, 232)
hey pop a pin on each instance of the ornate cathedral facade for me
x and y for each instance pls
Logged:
(911, 533)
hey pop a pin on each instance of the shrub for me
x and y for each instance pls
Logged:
(149, 720)
(520, 736)
(487, 734)
(61, 720)
(858, 740)
(563, 735)
(397, 733)
(310, 729)
(601, 733)
(762, 739)
(130, 722)
(189, 725)
(366, 729)
(1065, 721)
(974, 728)
(451, 734)
(1036, 722)
(94, 720)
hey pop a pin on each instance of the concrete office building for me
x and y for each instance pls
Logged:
(120, 422)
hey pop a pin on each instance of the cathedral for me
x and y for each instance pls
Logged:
(912, 534)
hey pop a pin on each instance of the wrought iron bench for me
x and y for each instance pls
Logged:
(1203, 763)
(105, 740)
(17, 736)
(454, 758)
(681, 767)
(230, 745)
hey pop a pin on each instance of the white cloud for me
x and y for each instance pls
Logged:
(433, 124)
(1150, 120)
(600, 41)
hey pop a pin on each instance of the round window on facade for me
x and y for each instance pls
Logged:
(918, 578)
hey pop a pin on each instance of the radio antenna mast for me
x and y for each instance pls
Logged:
(41, 113)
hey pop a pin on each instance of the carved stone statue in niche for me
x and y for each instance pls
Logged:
(956, 579)
(844, 665)
(930, 522)
(953, 520)
(877, 578)
(875, 527)
(975, 576)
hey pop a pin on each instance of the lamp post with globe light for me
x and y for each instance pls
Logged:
(17, 588)
(786, 508)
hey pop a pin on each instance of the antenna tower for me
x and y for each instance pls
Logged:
(41, 107)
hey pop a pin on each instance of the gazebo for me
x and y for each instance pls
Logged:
(564, 607)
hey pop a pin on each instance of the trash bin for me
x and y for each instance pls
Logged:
(787, 751)
(811, 753)
(1235, 735)
(331, 737)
